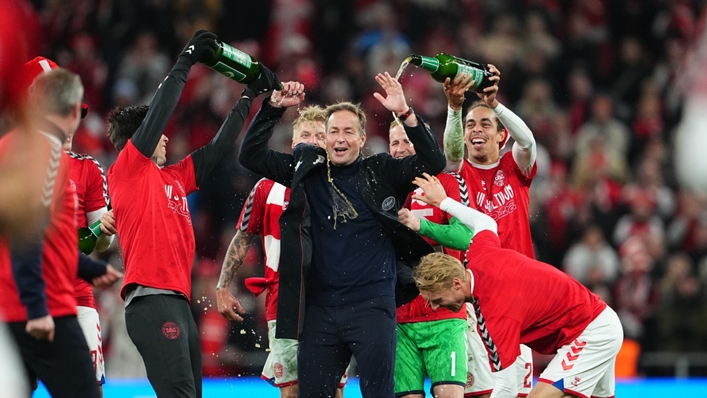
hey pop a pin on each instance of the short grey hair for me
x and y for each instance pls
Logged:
(56, 92)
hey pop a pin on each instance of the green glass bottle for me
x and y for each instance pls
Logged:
(89, 236)
(234, 64)
(443, 66)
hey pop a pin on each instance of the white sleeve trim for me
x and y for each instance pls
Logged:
(524, 148)
(93, 216)
(474, 219)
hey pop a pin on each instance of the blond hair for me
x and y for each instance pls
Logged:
(395, 123)
(310, 114)
(351, 107)
(437, 271)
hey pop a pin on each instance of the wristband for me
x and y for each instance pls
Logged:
(404, 116)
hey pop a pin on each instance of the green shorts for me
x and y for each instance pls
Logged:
(436, 349)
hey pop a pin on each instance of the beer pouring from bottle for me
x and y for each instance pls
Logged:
(235, 64)
(443, 66)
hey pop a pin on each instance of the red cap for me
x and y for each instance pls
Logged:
(31, 69)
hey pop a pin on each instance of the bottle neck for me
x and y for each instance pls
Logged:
(430, 64)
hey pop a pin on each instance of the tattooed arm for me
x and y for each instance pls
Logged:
(227, 304)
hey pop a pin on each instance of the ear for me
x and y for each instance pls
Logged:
(76, 112)
(363, 139)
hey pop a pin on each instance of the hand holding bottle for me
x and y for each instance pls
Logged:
(455, 89)
(108, 224)
(201, 47)
(488, 95)
(265, 82)
(292, 93)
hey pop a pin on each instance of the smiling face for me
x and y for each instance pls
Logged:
(344, 138)
(309, 132)
(482, 135)
(399, 144)
(159, 156)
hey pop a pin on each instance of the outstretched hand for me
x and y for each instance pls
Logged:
(292, 93)
(394, 100)
(434, 192)
(489, 93)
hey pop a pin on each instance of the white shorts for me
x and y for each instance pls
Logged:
(524, 370)
(280, 368)
(479, 380)
(585, 367)
(91, 328)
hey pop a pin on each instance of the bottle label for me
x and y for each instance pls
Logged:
(227, 71)
(236, 55)
(477, 75)
(96, 228)
(430, 64)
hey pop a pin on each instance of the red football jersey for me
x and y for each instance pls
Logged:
(419, 310)
(60, 251)
(86, 176)
(525, 301)
(153, 221)
(261, 216)
(502, 191)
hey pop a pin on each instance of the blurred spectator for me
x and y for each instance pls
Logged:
(145, 66)
(592, 261)
(605, 127)
(635, 293)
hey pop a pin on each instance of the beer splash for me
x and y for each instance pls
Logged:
(404, 65)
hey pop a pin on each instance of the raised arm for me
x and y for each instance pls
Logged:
(208, 156)
(455, 235)
(201, 47)
(524, 148)
(429, 157)
(435, 196)
(255, 155)
(454, 128)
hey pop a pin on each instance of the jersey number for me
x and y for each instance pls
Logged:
(527, 383)
(454, 363)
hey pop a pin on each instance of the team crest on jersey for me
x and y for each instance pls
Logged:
(177, 203)
(278, 369)
(469, 379)
(388, 203)
(499, 179)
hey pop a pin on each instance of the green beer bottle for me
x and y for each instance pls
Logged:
(234, 64)
(443, 66)
(89, 236)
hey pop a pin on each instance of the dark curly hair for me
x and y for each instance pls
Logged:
(123, 123)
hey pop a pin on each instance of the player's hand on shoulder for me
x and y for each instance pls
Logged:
(433, 190)
(406, 217)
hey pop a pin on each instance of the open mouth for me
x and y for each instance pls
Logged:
(477, 143)
(340, 151)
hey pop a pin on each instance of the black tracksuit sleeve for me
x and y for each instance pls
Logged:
(208, 156)
(162, 105)
(90, 268)
(429, 158)
(255, 154)
(26, 262)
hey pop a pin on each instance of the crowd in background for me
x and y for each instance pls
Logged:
(599, 83)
